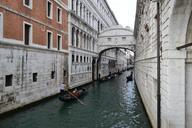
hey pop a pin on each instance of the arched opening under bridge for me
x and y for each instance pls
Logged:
(117, 48)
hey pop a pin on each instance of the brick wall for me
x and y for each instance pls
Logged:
(15, 14)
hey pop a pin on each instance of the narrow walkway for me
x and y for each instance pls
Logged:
(111, 104)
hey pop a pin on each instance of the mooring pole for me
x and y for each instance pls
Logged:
(158, 68)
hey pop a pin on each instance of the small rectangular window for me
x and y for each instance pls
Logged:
(59, 42)
(123, 38)
(8, 80)
(59, 15)
(77, 59)
(81, 59)
(49, 39)
(109, 39)
(27, 34)
(27, 3)
(65, 72)
(53, 75)
(49, 9)
(34, 77)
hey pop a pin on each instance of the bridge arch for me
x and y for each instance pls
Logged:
(117, 47)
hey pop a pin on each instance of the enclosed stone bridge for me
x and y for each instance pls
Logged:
(112, 40)
(116, 37)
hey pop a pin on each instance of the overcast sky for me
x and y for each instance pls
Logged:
(124, 11)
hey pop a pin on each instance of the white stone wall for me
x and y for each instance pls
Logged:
(22, 62)
(145, 63)
(122, 60)
(87, 18)
(174, 71)
(104, 68)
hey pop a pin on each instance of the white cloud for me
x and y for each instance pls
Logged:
(124, 11)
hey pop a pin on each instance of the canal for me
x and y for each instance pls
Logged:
(111, 104)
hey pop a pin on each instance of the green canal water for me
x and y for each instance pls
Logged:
(111, 104)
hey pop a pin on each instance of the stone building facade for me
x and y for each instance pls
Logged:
(122, 60)
(176, 65)
(33, 50)
(87, 18)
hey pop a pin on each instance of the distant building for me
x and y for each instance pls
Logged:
(86, 20)
(33, 50)
(176, 65)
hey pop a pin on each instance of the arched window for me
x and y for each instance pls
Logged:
(81, 59)
(90, 18)
(87, 16)
(87, 42)
(93, 45)
(93, 21)
(84, 12)
(98, 24)
(81, 40)
(72, 36)
(77, 5)
(101, 27)
(72, 4)
(77, 59)
(84, 40)
(80, 9)
(73, 58)
(77, 38)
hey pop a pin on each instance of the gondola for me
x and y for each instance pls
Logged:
(130, 78)
(106, 78)
(70, 96)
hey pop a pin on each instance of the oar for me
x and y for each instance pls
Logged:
(76, 98)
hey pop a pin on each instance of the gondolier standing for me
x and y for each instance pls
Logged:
(63, 88)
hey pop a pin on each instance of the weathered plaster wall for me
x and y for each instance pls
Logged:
(174, 21)
(22, 62)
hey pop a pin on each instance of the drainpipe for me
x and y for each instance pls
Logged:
(158, 65)
(158, 68)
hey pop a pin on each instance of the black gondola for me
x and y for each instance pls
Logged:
(130, 77)
(70, 96)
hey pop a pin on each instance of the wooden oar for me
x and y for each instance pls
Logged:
(76, 98)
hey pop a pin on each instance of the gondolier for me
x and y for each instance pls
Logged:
(70, 96)
(63, 88)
